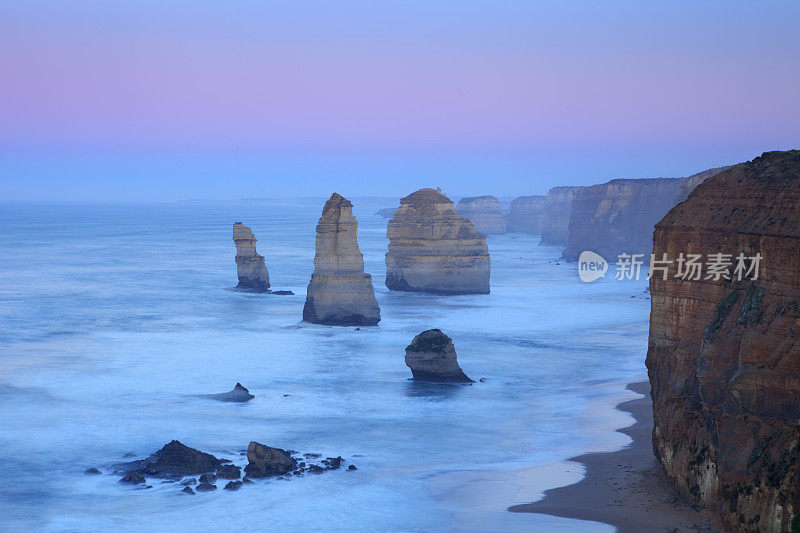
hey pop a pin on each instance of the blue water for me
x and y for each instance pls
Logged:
(113, 318)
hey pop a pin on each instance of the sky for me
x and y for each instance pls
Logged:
(165, 100)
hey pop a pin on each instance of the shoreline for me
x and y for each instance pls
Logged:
(623, 488)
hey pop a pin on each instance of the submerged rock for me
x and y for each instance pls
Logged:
(133, 478)
(229, 472)
(265, 461)
(92, 472)
(174, 459)
(723, 354)
(340, 293)
(233, 485)
(484, 213)
(238, 394)
(188, 490)
(434, 249)
(431, 356)
(250, 266)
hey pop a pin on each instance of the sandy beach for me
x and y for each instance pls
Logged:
(627, 488)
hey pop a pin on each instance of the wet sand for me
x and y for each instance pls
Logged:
(624, 488)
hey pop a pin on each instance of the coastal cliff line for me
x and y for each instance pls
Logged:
(723, 354)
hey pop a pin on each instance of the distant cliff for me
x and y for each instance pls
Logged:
(556, 214)
(526, 214)
(724, 355)
(689, 184)
(434, 249)
(484, 213)
(618, 217)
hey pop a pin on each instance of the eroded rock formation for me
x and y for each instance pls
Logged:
(484, 213)
(434, 249)
(265, 461)
(250, 266)
(526, 214)
(556, 214)
(238, 394)
(174, 459)
(724, 355)
(340, 293)
(431, 356)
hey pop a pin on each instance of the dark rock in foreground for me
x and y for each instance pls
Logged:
(205, 487)
(133, 478)
(188, 490)
(238, 394)
(92, 471)
(229, 472)
(174, 459)
(265, 461)
(431, 356)
(233, 485)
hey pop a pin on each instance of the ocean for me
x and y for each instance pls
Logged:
(116, 317)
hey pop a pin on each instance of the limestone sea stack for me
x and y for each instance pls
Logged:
(250, 266)
(555, 216)
(526, 214)
(431, 356)
(340, 293)
(724, 355)
(434, 249)
(484, 213)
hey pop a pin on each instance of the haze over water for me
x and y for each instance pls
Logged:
(115, 317)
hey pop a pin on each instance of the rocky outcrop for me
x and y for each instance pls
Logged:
(484, 213)
(688, 184)
(431, 356)
(386, 212)
(250, 266)
(434, 249)
(526, 214)
(174, 459)
(340, 293)
(265, 461)
(555, 216)
(724, 355)
(238, 394)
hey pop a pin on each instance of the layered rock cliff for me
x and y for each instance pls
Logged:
(724, 355)
(556, 214)
(688, 184)
(250, 266)
(526, 214)
(434, 249)
(484, 213)
(340, 293)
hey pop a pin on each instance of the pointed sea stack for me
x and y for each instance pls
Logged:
(484, 213)
(250, 266)
(340, 293)
(431, 356)
(434, 249)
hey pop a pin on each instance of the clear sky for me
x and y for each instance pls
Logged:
(180, 99)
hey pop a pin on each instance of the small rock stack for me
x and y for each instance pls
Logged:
(250, 266)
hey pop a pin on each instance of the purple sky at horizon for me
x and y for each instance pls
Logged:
(171, 100)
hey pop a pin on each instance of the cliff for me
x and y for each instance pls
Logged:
(431, 356)
(688, 184)
(340, 293)
(434, 249)
(724, 355)
(484, 213)
(556, 214)
(250, 266)
(526, 214)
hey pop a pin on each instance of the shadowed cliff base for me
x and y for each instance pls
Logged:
(627, 488)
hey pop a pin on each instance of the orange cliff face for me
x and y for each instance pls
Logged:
(724, 355)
